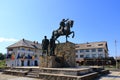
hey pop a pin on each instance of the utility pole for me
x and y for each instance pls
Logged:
(116, 52)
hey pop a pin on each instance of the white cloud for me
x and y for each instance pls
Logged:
(7, 39)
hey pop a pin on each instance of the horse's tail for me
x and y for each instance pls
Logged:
(54, 34)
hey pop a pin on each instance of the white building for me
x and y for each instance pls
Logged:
(91, 50)
(27, 53)
(23, 53)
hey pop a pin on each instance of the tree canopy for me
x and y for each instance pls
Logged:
(2, 56)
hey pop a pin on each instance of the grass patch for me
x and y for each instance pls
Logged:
(2, 63)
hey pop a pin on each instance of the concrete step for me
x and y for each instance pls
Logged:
(51, 76)
(34, 73)
(32, 76)
(34, 69)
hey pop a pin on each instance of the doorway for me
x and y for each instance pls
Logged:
(22, 63)
(28, 63)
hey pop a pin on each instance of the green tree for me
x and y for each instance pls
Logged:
(2, 56)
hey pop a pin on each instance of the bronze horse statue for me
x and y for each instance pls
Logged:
(59, 32)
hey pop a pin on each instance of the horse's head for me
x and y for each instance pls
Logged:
(70, 23)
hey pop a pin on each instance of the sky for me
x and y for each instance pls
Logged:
(94, 21)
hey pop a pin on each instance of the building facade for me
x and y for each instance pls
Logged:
(91, 50)
(23, 53)
(27, 53)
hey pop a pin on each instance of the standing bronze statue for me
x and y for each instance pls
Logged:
(52, 46)
(45, 44)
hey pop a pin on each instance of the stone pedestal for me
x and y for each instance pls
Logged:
(43, 61)
(64, 57)
(49, 62)
(67, 52)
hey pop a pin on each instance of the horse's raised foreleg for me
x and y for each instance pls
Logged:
(73, 34)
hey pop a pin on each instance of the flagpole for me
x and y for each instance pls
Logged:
(116, 52)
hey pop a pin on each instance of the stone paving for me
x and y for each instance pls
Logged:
(11, 77)
(114, 75)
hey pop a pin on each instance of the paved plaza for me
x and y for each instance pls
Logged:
(114, 75)
(11, 77)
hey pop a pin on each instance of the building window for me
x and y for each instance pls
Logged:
(23, 49)
(100, 44)
(87, 50)
(76, 56)
(87, 55)
(82, 50)
(100, 55)
(77, 46)
(10, 49)
(94, 55)
(93, 50)
(76, 51)
(88, 45)
(100, 49)
(81, 56)
(29, 50)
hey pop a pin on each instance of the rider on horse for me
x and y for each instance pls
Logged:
(64, 29)
(62, 25)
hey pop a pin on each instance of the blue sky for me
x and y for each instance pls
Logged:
(95, 20)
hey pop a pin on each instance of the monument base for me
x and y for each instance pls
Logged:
(64, 57)
(71, 73)
(67, 71)
(49, 62)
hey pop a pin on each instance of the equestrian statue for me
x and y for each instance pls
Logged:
(64, 29)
